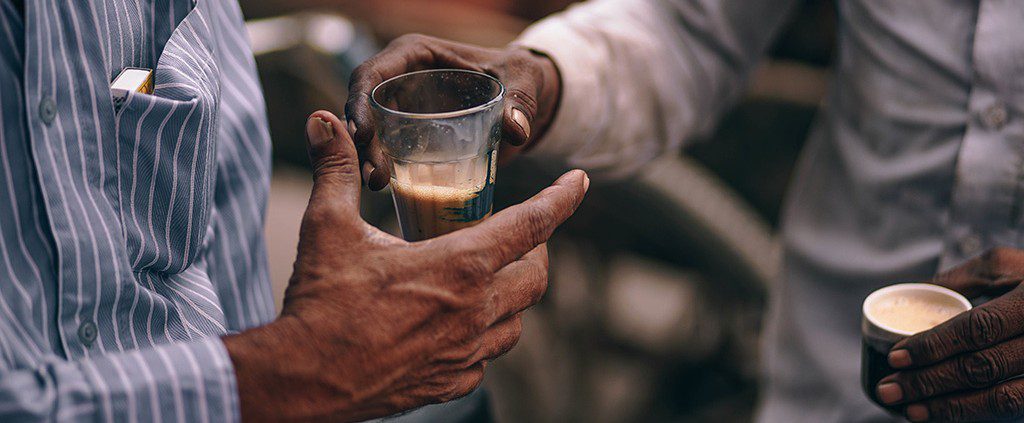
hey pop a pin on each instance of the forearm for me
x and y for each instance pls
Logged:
(641, 77)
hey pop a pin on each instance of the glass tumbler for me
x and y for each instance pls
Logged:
(439, 130)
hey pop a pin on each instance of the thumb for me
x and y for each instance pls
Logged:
(335, 163)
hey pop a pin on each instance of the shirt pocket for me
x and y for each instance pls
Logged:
(167, 151)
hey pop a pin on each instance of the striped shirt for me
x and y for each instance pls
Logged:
(130, 237)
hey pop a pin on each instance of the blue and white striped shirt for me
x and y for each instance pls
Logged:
(130, 238)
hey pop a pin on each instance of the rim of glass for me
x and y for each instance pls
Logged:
(442, 115)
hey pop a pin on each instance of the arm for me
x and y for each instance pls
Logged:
(640, 77)
(191, 381)
(609, 84)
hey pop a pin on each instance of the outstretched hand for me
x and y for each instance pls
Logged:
(531, 82)
(373, 325)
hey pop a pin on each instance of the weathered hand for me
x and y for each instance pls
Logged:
(531, 82)
(963, 370)
(373, 325)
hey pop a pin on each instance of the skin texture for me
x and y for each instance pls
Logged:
(531, 82)
(373, 325)
(959, 370)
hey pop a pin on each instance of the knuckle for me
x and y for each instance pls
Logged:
(462, 384)
(469, 268)
(537, 222)
(478, 323)
(1007, 401)
(515, 332)
(334, 165)
(953, 410)
(985, 327)
(527, 101)
(930, 348)
(922, 385)
(411, 38)
(981, 369)
(360, 73)
(539, 279)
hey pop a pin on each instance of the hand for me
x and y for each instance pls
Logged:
(961, 370)
(373, 325)
(531, 90)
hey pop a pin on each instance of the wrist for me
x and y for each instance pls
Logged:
(260, 357)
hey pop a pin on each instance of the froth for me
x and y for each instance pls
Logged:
(435, 193)
(912, 314)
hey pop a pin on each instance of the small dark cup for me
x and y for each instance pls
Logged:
(877, 337)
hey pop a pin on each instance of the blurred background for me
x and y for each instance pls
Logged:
(658, 284)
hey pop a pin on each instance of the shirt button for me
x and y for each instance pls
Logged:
(994, 116)
(47, 110)
(87, 333)
(970, 245)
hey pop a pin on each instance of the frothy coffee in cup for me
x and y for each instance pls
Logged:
(894, 313)
(913, 314)
(426, 211)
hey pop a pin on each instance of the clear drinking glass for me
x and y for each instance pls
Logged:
(440, 131)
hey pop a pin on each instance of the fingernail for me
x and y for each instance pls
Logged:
(351, 129)
(367, 172)
(917, 413)
(899, 359)
(890, 393)
(324, 132)
(586, 182)
(378, 180)
(520, 119)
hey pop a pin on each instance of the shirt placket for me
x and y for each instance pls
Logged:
(986, 199)
(51, 131)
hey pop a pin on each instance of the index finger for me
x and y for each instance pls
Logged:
(975, 329)
(508, 235)
(394, 60)
(408, 53)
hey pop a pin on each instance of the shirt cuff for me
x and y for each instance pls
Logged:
(579, 106)
(190, 381)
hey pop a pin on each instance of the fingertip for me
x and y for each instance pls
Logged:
(378, 179)
(517, 128)
(350, 126)
(899, 359)
(889, 393)
(917, 413)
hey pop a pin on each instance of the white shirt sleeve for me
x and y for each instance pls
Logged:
(640, 77)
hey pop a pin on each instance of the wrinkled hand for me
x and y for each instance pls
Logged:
(961, 370)
(531, 82)
(373, 325)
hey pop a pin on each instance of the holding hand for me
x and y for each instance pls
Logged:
(531, 83)
(373, 325)
(964, 369)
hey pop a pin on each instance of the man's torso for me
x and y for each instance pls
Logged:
(126, 227)
(916, 164)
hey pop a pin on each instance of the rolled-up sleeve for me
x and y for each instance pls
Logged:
(184, 382)
(640, 77)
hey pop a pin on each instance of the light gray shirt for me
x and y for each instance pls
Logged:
(915, 164)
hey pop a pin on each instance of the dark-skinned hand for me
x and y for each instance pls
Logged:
(965, 368)
(531, 91)
(373, 325)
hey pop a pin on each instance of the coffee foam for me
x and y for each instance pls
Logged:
(906, 309)
(912, 314)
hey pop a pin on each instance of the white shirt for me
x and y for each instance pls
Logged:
(915, 164)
